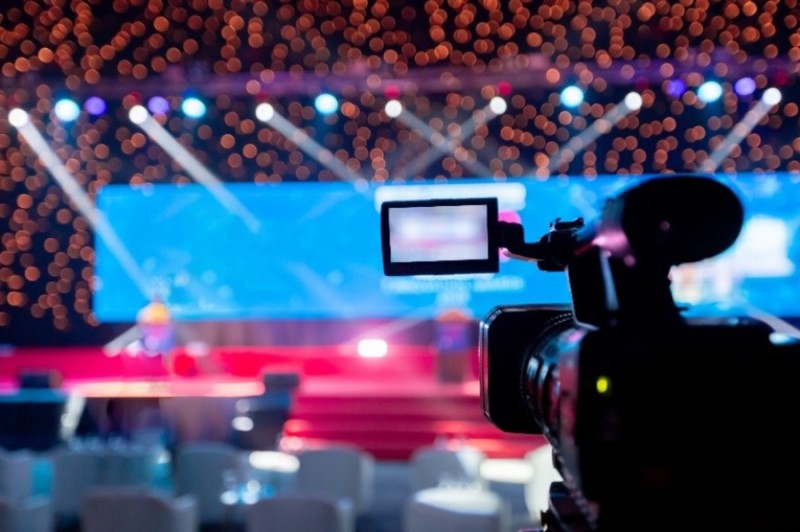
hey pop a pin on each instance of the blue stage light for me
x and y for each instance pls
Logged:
(326, 103)
(67, 110)
(709, 92)
(193, 107)
(572, 96)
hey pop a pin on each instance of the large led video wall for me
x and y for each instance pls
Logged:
(312, 251)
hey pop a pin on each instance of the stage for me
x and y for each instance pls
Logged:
(388, 405)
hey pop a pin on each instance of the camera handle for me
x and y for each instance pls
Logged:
(552, 252)
(606, 290)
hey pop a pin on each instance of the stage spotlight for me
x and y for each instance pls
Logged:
(158, 105)
(193, 107)
(772, 96)
(393, 108)
(17, 117)
(745, 86)
(326, 104)
(94, 105)
(67, 110)
(572, 96)
(265, 112)
(138, 114)
(633, 101)
(675, 88)
(709, 92)
(498, 105)
(372, 348)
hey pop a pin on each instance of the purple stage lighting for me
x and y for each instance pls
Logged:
(158, 105)
(676, 88)
(94, 105)
(745, 87)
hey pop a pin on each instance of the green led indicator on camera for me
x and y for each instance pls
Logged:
(603, 385)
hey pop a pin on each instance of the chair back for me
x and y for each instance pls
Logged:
(537, 491)
(340, 472)
(432, 467)
(77, 470)
(16, 475)
(33, 514)
(8, 516)
(200, 469)
(290, 513)
(464, 510)
(131, 465)
(132, 509)
(74, 473)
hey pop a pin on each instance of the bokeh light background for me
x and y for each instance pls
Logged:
(444, 60)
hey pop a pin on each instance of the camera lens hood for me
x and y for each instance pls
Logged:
(671, 220)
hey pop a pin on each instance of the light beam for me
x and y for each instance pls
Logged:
(442, 145)
(267, 114)
(79, 198)
(567, 153)
(139, 116)
(769, 99)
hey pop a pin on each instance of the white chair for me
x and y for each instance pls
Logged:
(339, 471)
(432, 467)
(77, 470)
(132, 509)
(32, 514)
(16, 475)
(200, 469)
(345, 473)
(456, 509)
(537, 491)
(74, 473)
(129, 465)
(292, 513)
(508, 477)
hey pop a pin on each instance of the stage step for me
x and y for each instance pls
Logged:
(336, 429)
(391, 421)
(398, 450)
(428, 408)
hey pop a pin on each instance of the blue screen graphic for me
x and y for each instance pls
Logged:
(312, 251)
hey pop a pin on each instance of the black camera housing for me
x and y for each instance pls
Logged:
(512, 330)
(657, 421)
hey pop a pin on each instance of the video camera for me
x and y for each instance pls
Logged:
(657, 421)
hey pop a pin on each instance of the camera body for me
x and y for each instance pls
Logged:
(656, 421)
(661, 428)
